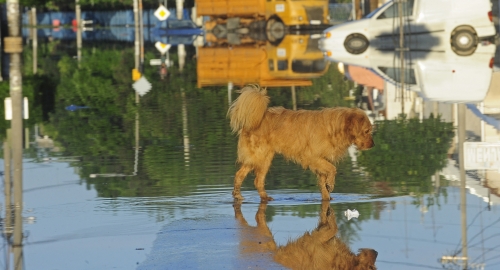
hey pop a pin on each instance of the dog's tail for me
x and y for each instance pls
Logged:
(248, 110)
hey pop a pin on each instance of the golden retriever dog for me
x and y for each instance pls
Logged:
(315, 250)
(313, 139)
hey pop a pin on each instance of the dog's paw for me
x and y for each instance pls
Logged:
(237, 204)
(238, 197)
(266, 199)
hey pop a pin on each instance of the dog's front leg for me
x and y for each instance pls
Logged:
(330, 179)
(324, 188)
(325, 171)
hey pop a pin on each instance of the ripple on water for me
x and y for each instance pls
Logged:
(285, 196)
(210, 196)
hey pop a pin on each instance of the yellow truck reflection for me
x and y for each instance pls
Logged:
(292, 63)
(273, 16)
(289, 12)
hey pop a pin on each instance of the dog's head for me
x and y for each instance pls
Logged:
(359, 129)
(366, 259)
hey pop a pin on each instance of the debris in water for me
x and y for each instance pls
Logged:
(351, 214)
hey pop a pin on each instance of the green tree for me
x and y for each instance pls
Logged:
(408, 152)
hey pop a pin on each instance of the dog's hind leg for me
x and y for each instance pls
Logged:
(325, 172)
(238, 180)
(260, 179)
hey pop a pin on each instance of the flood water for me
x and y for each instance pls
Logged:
(116, 181)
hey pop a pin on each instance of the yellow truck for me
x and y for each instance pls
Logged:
(292, 63)
(274, 15)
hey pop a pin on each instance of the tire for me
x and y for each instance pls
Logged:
(275, 31)
(464, 40)
(356, 43)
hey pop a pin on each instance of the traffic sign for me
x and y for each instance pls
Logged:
(136, 74)
(8, 108)
(162, 47)
(155, 62)
(158, 62)
(482, 156)
(142, 86)
(162, 13)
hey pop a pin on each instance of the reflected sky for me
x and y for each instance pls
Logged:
(77, 229)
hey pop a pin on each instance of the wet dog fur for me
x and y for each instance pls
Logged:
(314, 139)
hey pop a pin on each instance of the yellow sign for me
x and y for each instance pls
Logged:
(162, 47)
(136, 75)
(162, 13)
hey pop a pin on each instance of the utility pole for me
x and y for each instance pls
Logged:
(34, 39)
(137, 41)
(464, 259)
(179, 8)
(13, 46)
(138, 52)
(463, 202)
(181, 50)
(79, 26)
(230, 86)
(402, 52)
(7, 224)
(185, 130)
(141, 36)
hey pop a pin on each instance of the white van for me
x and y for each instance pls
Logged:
(429, 25)
(438, 76)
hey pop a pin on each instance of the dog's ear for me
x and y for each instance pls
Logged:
(353, 123)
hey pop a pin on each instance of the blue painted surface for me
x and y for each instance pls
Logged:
(102, 18)
(115, 26)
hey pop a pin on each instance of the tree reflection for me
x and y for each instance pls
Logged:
(407, 153)
(103, 134)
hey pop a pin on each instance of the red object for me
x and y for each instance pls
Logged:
(492, 62)
(490, 16)
(365, 77)
(74, 23)
(56, 23)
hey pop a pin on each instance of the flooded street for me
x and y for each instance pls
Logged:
(129, 160)
(178, 205)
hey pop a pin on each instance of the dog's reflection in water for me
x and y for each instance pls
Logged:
(318, 249)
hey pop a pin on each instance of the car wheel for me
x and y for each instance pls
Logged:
(275, 30)
(464, 40)
(356, 43)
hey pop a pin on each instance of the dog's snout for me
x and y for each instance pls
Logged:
(368, 144)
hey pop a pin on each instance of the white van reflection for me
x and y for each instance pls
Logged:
(428, 25)
(438, 76)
